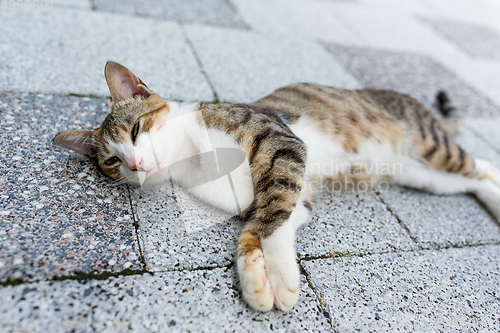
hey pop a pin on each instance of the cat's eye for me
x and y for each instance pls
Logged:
(111, 161)
(135, 131)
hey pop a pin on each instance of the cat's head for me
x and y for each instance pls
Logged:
(123, 144)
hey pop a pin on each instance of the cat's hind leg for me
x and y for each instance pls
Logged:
(477, 176)
(488, 192)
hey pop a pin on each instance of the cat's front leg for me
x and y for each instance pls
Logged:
(280, 260)
(267, 265)
(268, 269)
(254, 283)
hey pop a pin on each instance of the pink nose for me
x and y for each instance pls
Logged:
(135, 163)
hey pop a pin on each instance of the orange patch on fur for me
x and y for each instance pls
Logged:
(248, 242)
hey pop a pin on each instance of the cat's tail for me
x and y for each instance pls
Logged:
(452, 121)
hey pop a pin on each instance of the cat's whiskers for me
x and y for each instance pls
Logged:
(119, 181)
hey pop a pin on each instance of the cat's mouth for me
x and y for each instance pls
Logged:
(153, 170)
(148, 173)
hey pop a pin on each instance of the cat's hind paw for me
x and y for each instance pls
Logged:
(254, 282)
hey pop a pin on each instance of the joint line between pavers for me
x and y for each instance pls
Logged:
(198, 61)
(193, 269)
(331, 256)
(457, 246)
(396, 251)
(232, 6)
(81, 277)
(136, 228)
(318, 298)
(403, 225)
(484, 140)
(55, 93)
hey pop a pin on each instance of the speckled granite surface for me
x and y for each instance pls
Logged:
(420, 77)
(60, 215)
(477, 40)
(211, 12)
(423, 291)
(78, 253)
(201, 301)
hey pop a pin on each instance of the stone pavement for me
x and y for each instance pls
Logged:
(80, 254)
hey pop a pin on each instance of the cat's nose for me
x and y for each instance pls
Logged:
(135, 163)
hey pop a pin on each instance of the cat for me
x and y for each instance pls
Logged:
(285, 137)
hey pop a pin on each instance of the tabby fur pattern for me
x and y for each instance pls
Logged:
(287, 139)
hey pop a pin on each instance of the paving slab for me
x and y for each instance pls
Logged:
(487, 130)
(244, 66)
(478, 41)
(59, 215)
(72, 47)
(197, 301)
(417, 75)
(302, 19)
(412, 7)
(211, 12)
(452, 290)
(76, 4)
(347, 221)
(483, 12)
(391, 30)
(492, 5)
(483, 75)
(446, 220)
(179, 232)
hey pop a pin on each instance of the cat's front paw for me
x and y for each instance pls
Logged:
(254, 283)
(285, 283)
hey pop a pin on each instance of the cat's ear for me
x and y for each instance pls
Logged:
(122, 83)
(81, 141)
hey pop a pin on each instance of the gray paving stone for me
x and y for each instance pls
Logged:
(416, 75)
(59, 215)
(77, 4)
(483, 75)
(198, 301)
(178, 232)
(212, 12)
(474, 143)
(244, 66)
(487, 130)
(476, 40)
(492, 5)
(72, 47)
(452, 290)
(389, 29)
(304, 19)
(413, 7)
(347, 221)
(483, 12)
(453, 220)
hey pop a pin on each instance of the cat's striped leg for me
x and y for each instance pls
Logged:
(280, 257)
(266, 256)
(267, 259)
(441, 166)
